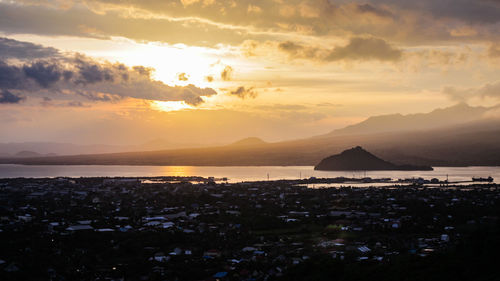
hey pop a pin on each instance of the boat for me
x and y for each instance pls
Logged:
(488, 179)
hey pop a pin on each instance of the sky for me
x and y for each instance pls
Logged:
(215, 71)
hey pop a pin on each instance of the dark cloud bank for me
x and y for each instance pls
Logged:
(39, 69)
(8, 97)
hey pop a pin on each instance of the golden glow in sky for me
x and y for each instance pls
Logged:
(168, 106)
(272, 69)
(169, 62)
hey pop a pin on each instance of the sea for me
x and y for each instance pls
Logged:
(237, 174)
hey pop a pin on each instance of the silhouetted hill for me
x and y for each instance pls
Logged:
(358, 159)
(249, 142)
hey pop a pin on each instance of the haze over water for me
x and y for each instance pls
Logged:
(236, 174)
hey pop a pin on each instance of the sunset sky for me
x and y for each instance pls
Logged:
(215, 71)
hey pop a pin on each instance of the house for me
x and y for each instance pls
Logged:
(105, 230)
(160, 257)
(211, 253)
(52, 225)
(74, 228)
(364, 249)
(445, 238)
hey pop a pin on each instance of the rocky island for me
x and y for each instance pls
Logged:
(358, 159)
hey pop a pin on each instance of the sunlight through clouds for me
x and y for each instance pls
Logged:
(168, 106)
(153, 60)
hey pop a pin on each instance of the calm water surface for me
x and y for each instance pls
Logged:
(235, 174)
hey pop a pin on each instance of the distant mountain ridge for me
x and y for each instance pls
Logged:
(358, 159)
(457, 114)
(25, 153)
(43, 148)
(469, 143)
(251, 141)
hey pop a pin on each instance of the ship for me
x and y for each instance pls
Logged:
(488, 179)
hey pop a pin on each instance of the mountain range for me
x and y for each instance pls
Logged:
(456, 136)
(455, 115)
(37, 149)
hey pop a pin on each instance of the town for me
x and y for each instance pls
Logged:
(192, 228)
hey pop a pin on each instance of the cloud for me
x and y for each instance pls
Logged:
(243, 92)
(296, 112)
(368, 8)
(227, 73)
(296, 50)
(142, 70)
(460, 95)
(81, 76)
(365, 49)
(189, 2)
(472, 11)
(358, 48)
(8, 97)
(283, 107)
(494, 51)
(76, 104)
(48, 102)
(248, 48)
(464, 31)
(11, 77)
(109, 80)
(44, 73)
(98, 96)
(254, 9)
(490, 90)
(10, 48)
(211, 22)
(92, 72)
(182, 77)
(443, 59)
(88, 21)
(328, 104)
(299, 51)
